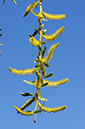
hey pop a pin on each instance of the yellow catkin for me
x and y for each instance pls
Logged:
(1, 44)
(27, 103)
(53, 16)
(50, 53)
(22, 72)
(27, 113)
(33, 41)
(14, 1)
(54, 35)
(30, 7)
(56, 83)
(50, 110)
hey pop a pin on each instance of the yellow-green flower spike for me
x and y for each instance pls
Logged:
(53, 16)
(28, 113)
(1, 44)
(14, 1)
(23, 72)
(34, 41)
(50, 110)
(50, 53)
(54, 35)
(56, 83)
(30, 7)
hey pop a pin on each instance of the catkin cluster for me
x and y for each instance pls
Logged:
(41, 62)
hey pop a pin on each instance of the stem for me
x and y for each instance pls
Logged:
(36, 105)
(39, 57)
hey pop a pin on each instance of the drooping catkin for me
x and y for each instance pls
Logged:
(53, 16)
(26, 113)
(56, 83)
(50, 110)
(23, 72)
(54, 35)
(50, 53)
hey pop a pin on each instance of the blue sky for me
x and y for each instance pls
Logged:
(68, 62)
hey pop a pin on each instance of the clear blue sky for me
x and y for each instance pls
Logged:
(68, 62)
